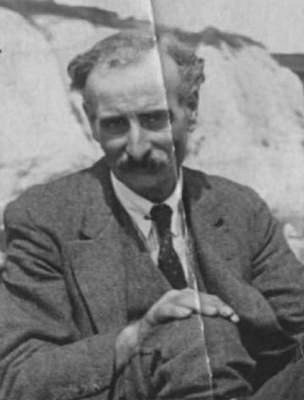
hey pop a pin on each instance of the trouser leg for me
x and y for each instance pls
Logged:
(168, 364)
(171, 363)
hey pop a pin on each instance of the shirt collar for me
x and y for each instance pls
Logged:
(139, 207)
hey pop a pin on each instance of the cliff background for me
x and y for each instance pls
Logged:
(251, 120)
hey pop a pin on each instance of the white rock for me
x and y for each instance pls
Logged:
(39, 136)
(251, 125)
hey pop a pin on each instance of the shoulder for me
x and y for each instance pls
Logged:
(247, 215)
(59, 203)
(225, 190)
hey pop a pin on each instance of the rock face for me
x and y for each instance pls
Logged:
(39, 135)
(250, 127)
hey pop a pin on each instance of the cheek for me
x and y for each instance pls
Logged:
(163, 138)
(112, 146)
(181, 118)
(180, 129)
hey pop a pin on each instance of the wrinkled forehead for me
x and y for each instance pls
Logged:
(151, 76)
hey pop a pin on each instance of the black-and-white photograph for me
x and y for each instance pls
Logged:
(152, 200)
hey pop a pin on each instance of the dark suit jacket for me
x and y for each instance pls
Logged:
(76, 274)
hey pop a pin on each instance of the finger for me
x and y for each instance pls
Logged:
(213, 305)
(171, 311)
(197, 302)
(207, 304)
(208, 310)
(234, 318)
(182, 312)
(186, 298)
(225, 310)
(165, 312)
(172, 296)
(228, 312)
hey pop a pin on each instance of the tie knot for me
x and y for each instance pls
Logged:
(161, 214)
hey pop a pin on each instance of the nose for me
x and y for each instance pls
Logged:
(138, 145)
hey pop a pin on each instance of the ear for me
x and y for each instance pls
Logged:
(91, 116)
(192, 119)
(88, 112)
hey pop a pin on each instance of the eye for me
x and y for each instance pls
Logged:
(115, 125)
(155, 120)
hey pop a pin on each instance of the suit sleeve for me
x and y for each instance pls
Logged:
(277, 274)
(42, 355)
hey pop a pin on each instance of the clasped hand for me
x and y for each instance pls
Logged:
(179, 304)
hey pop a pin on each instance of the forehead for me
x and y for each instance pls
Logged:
(149, 84)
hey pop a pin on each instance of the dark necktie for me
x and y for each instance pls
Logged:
(168, 261)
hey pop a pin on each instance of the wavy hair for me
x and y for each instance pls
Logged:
(128, 47)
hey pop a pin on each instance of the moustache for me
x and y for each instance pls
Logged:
(147, 163)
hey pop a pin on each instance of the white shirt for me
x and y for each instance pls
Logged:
(139, 209)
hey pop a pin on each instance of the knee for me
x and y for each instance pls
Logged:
(172, 338)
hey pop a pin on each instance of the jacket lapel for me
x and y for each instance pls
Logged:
(218, 251)
(207, 216)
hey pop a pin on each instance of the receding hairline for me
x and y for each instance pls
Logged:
(141, 58)
(128, 48)
(115, 51)
(167, 76)
(149, 57)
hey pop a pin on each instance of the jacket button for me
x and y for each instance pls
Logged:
(219, 223)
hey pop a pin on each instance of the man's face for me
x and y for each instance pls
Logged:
(139, 123)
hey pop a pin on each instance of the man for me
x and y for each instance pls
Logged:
(138, 278)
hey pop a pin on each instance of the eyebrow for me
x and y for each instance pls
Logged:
(147, 112)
